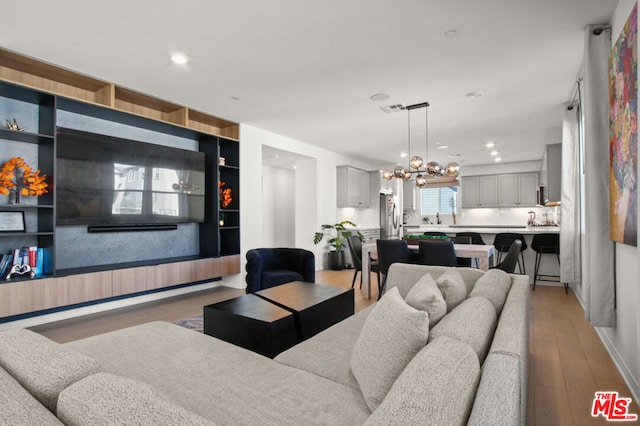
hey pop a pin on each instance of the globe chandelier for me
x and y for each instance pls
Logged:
(417, 165)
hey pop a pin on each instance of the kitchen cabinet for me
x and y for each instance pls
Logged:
(551, 171)
(353, 187)
(479, 191)
(517, 190)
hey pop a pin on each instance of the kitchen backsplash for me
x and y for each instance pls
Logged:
(505, 216)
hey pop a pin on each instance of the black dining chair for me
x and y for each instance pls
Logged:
(463, 239)
(546, 244)
(476, 238)
(390, 252)
(355, 248)
(502, 243)
(510, 261)
(436, 252)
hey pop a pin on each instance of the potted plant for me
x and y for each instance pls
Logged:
(337, 235)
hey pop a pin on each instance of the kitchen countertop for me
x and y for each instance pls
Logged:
(481, 229)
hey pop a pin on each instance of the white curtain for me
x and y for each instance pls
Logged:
(598, 287)
(570, 233)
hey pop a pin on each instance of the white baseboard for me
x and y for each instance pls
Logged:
(107, 306)
(624, 371)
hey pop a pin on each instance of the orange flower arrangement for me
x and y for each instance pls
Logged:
(225, 195)
(29, 183)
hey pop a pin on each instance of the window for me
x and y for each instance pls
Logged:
(438, 200)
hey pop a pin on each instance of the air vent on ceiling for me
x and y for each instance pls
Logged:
(393, 108)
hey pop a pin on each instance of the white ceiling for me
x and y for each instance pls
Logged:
(306, 69)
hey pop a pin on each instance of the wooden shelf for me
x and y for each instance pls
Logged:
(147, 106)
(209, 124)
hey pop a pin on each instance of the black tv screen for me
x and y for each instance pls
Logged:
(104, 180)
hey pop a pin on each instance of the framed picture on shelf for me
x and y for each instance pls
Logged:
(12, 221)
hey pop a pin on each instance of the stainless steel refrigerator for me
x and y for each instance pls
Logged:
(390, 216)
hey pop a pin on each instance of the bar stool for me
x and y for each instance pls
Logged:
(502, 243)
(546, 244)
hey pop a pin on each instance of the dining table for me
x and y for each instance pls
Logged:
(483, 253)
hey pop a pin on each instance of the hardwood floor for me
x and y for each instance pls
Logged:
(567, 361)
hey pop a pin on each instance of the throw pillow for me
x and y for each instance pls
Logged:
(426, 296)
(391, 336)
(494, 285)
(452, 287)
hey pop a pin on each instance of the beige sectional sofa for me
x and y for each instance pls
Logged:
(472, 369)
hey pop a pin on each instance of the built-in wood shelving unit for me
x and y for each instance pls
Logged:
(32, 73)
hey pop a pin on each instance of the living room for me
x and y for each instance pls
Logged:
(315, 181)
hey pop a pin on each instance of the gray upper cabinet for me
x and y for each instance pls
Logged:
(409, 196)
(479, 191)
(550, 174)
(353, 187)
(517, 190)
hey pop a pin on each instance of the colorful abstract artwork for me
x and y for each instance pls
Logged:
(623, 135)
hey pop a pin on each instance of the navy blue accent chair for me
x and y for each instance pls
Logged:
(269, 267)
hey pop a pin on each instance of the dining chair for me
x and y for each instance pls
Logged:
(463, 239)
(355, 248)
(502, 242)
(476, 238)
(390, 252)
(510, 261)
(546, 244)
(435, 252)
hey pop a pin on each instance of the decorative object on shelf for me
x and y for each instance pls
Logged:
(337, 239)
(417, 165)
(17, 176)
(14, 126)
(225, 195)
(22, 271)
(221, 219)
(222, 161)
(12, 222)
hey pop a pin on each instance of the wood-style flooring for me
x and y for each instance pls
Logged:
(567, 361)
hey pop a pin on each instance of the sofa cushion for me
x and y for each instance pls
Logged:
(107, 399)
(426, 296)
(436, 388)
(328, 354)
(42, 366)
(404, 276)
(494, 285)
(17, 406)
(498, 395)
(472, 322)
(391, 336)
(222, 382)
(452, 287)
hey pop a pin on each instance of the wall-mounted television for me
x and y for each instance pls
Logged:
(105, 180)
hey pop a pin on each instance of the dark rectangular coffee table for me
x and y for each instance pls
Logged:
(252, 323)
(316, 307)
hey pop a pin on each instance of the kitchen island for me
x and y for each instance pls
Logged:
(548, 264)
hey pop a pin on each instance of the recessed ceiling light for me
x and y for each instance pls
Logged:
(489, 144)
(450, 33)
(475, 94)
(494, 153)
(443, 146)
(234, 98)
(179, 58)
(403, 154)
(497, 159)
(379, 97)
(453, 155)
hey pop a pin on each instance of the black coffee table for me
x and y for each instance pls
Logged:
(252, 323)
(316, 307)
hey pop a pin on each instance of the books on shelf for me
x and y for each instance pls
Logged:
(32, 256)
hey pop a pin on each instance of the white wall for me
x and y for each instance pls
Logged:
(623, 340)
(315, 192)
(278, 207)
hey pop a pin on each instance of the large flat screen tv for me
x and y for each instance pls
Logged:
(104, 180)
